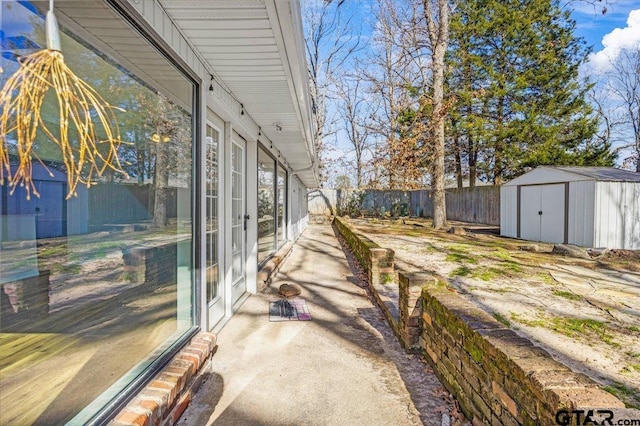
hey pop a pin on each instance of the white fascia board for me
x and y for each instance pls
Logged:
(286, 22)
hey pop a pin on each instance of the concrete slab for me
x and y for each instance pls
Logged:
(344, 366)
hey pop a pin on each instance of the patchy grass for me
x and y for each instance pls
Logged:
(460, 248)
(501, 319)
(493, 272)
(546, 278)
(462, 271)
(530, 322)
(567, 295)
(387, 278)
(572, 327)
(461, 258)
(628, 395)
(502, 254)
(582, 327)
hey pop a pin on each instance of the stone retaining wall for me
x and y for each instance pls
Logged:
(377, 261)
(498, 377)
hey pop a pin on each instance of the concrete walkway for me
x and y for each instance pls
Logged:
(344, 367)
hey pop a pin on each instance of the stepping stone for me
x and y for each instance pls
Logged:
(289, 290)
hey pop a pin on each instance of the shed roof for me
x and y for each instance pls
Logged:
(607, 174)
(557, 174)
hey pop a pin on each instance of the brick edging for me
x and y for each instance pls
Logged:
(163, 400)
(498, 376)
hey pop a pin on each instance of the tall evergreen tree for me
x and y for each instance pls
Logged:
(521, 102)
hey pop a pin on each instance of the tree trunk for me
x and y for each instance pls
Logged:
(438, 26)
(458, 156)
(160, 183)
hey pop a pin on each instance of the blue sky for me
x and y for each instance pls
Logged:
(593, 25)
(617, 29)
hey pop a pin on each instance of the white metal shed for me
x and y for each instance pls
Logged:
(585, 206)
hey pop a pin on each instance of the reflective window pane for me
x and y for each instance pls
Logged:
(266, 205)
(282, 205)
(211, 176)
(95, 282)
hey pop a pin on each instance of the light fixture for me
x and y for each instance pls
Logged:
(278, 127)
(211, 83)
(241, 109)
(83, 114)
(259, 131)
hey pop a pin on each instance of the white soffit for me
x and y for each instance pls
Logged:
(254, 47)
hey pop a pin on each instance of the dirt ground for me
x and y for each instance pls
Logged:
(584, 312)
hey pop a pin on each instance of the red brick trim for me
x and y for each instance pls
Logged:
(164, 399)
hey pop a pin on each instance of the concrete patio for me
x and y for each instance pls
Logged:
(345, 366)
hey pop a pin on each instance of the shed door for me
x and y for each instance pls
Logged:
(542, 213)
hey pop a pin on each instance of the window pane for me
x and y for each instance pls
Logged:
(95, 287)
(211, 172)
(266, 205)
(282, 205)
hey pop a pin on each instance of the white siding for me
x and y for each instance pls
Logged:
(617, 215)
(581, 213)
(509, 211)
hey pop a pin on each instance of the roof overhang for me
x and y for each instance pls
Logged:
(255, 49)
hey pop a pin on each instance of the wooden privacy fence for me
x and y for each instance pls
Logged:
(480, 204)
(135, 203)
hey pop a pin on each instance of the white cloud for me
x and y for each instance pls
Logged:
(617, 40)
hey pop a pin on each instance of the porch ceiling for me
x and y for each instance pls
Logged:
(256, 48)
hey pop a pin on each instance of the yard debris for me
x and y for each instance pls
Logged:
(533, 248)
(289, 290)
(457, 230)
(597, 252)
(571, 250)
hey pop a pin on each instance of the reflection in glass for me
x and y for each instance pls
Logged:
(212, 140)
(95, 288)
(282, 205)
(237, 213)
(266, 205)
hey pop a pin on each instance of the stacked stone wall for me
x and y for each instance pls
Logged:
(377, 261)
(498, 377)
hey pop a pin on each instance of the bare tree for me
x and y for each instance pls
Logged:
(390, 74)
(356, 111)
(624, 83)
(424, 32)
(330, 41)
